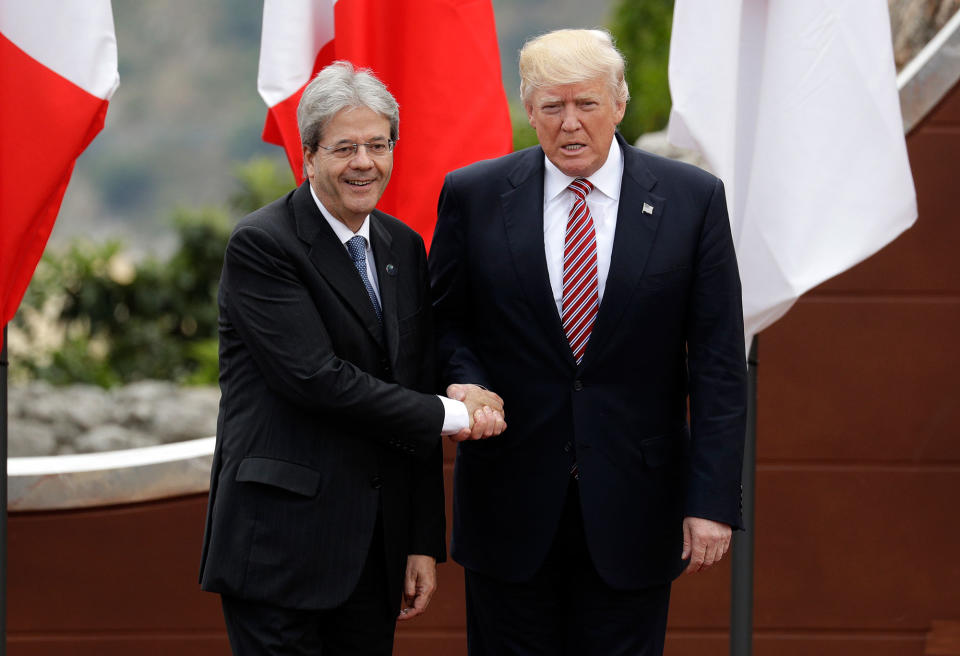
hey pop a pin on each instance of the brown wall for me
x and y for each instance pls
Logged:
(857, 538)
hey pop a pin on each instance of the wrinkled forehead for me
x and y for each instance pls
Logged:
(357, 124)
(595, 90)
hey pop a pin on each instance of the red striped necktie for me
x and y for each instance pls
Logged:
(581, 297)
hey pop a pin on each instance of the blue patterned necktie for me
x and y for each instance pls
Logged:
(358, 251)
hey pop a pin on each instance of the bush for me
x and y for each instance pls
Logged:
(116, 321)
(642, 32)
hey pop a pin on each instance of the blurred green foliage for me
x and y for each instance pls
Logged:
(117, 321)
(523, 134)
(641, 29)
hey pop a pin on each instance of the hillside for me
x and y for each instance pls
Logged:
(187, 110)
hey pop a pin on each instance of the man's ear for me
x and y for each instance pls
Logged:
(307, 162)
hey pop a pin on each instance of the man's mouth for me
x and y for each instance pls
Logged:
(359, 183)
(574, 147)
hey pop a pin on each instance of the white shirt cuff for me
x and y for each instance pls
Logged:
(455, 416)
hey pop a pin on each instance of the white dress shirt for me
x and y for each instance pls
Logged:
(603, 201)
(455, 415)
(345, 234)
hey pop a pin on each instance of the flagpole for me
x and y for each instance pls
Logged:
(3, 495)
(741, 583)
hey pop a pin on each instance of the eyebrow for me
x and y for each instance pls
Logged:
(370, 140)
(581, 98)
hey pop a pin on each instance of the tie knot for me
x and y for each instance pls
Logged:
(580, 187)
(358, 248)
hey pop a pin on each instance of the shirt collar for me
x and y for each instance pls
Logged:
(607, 179)
(344, 234)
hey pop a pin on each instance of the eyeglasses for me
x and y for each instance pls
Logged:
(348, 150)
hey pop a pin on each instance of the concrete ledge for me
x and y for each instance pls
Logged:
(109, 478)
(930, 75)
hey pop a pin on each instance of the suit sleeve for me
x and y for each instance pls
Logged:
(449, 274)
(428, 529)
(717, 370)
(283, 328)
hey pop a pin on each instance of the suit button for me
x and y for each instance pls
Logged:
(567, 447)
(376, 482)
(577, 385)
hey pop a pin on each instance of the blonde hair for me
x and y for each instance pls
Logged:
(571, 56)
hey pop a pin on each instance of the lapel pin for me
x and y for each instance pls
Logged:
(647, 208)
(391, 270)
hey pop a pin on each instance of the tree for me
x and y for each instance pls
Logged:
(641, 29)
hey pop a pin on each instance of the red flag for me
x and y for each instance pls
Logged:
(58, 69)
(439, 58)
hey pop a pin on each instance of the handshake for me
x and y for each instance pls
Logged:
(485, 409)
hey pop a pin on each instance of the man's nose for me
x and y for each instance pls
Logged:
(361, 159)
(571, 121)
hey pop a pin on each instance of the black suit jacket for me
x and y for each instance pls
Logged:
(324, 415)
(669, 331)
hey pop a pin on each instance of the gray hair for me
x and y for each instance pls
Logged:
(337, 87)
(571, 56)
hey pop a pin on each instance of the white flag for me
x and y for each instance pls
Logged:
(794, 105)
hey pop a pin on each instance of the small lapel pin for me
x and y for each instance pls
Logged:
(647, 208)
(391, 270)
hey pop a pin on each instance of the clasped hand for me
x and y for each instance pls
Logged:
(485, 408)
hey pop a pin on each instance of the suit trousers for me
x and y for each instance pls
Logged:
(362, 626)
(566, 608)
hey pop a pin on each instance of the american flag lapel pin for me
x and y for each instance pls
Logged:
(647, 208)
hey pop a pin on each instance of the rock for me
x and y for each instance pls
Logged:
(187, 414)
(111, 437)
(135, 404)
(48, 420)
(29, 438)
(915, 23)
(658, 144)
(86, 406)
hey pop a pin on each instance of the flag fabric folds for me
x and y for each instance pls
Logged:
(439, 58)
(794, 106)
(58, 69)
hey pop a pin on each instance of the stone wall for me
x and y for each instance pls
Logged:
(46, 420)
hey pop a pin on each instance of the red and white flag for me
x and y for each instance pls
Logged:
(439, 58)
(58, 69)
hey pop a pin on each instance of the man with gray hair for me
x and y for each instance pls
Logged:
(326, 510)
(594, 287)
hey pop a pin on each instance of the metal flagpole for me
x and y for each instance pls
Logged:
(741, 580)
(3, 495)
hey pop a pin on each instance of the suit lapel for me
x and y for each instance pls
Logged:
(387, 270)
(332, 261)
(523, 220)
(632, 241)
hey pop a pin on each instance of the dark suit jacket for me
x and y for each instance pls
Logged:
(324, 415)
(669, 330)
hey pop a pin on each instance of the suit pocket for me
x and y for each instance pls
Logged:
(279, 473)
(669, 278)
(408, 324)
(661, 450)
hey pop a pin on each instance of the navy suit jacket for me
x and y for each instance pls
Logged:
(325, 415)
(668, 338)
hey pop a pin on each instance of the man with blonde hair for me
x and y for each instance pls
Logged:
(594, 287)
